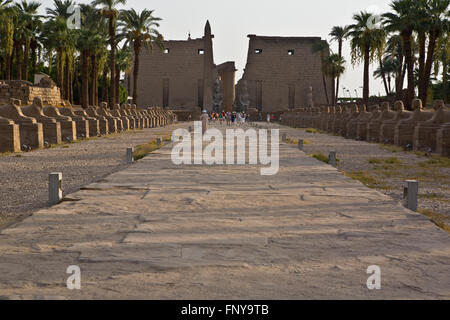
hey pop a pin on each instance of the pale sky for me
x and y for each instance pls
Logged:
(232, 20)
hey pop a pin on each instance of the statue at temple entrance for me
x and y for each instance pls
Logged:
(244, 97)
(217, 96)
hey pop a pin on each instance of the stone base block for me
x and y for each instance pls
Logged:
(9, 137)
(112, 125)
(68, 130)
(425, 137)
(443, 141)
(32, 135)
(82, 128)
(52, 132)
(104, 129)
(94, 128)
(404, 134)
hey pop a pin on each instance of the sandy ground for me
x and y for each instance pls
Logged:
(159, 231)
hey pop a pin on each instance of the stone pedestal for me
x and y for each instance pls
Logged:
(68, 127)
(52, 129)
(374, 126)
(404, 131)
(443, 140)
(31, 132)
(9, 136)
(387, 128)
(103, 122)
(82, 123)
(425, 132)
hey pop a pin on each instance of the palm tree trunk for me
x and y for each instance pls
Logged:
(8, 66)
(422, 41)
(112, 60)
(366, 74)
(33, 47)
(117, 85)
(338, 77)
(105, 85)
(93, 79)
(84, 79)
(19, 61)
(61, 63)
(25, 59)
(137, 50)
(434, 34)
(410, 67)
(383, 75)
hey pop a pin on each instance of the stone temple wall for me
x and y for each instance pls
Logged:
(280, 71)
(25, 91)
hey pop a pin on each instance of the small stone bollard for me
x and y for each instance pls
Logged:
(332, 158)
(300, 144)
(283, 137)
(54, 188)
(158, 141)
(190, 128)
(130, 152)
(410, 194)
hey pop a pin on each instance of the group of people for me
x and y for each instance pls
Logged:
(228, 117)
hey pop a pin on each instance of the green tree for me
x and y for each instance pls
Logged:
(366, 42)
(323, 49)
(403, 19)
(140, 30)
(339, 34)
(110, 12)
(334, 66)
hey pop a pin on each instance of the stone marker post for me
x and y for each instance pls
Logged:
(300, 144)
(411, 193)
(130, 152)
(332, 158)
(54, 188)
(158, 141)
(284, 137)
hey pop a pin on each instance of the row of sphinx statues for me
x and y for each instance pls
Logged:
(37, 126)
(418, 129)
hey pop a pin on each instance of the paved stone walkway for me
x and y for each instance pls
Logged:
(160, 231)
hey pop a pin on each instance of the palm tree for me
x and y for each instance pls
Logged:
(124, 62)
(334, 67)
(91, 44)
(365, 43)
(110, 12)
(323, 48)
(139, 30)
(57, 36)
(31, 22)
(395, 53)
(7, 34)
(387, 69)
(339, 34)
(437, 20)
(404, 20)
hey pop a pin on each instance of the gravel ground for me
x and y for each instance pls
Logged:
(24, 177)
(354, 156)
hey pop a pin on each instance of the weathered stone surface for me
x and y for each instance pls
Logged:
(226, 232)
(374, 126)
(9, 136)
(387, 129)
(82, 123)
(404, 131)
(425, 132)
(52, 128)
(68, 127)
(31, 132)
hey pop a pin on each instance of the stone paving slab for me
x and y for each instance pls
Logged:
(160, 231)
